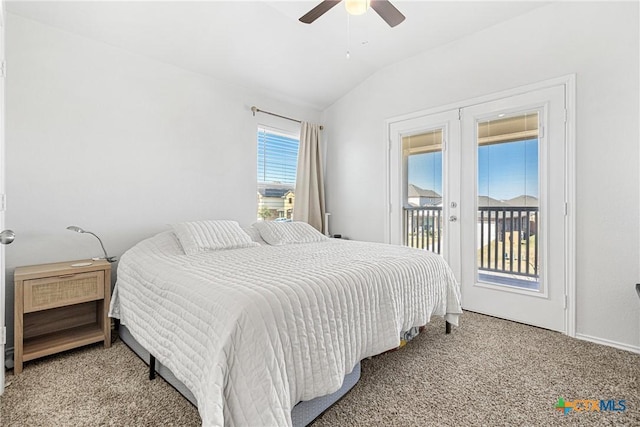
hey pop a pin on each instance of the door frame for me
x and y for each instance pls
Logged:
(569, 82)
(3, 330)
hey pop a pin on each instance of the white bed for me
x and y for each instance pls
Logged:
(252, 331)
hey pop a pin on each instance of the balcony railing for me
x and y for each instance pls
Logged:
(506, 237)
(508, 241)
(423, 227)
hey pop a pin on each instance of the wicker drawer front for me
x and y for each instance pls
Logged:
(51, 292)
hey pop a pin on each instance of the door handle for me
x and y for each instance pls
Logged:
(453, 218)
(7, 236)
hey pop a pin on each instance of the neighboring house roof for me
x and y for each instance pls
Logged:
(273, 192)
(415, 191)
(523, 200)
(486, 201)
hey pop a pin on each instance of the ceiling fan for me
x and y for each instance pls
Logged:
(384, 8)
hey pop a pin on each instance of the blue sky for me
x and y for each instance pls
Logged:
(425, 171)
(505, 170)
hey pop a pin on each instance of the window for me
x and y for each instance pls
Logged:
(508, 212)
(277, 164)
(423, 189)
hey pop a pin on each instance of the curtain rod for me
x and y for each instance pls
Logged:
(255, 110)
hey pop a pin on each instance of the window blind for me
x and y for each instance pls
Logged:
(277, 157)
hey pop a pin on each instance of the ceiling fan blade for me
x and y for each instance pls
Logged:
(318, 11)
(387, 11)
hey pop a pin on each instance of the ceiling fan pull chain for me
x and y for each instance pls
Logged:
(348, 36)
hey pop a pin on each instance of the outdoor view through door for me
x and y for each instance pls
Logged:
(507, 191)
(507, 188)
(423, 201)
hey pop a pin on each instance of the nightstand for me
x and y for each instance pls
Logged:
(60, 306)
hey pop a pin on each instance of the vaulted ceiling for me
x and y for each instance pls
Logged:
(262, 46)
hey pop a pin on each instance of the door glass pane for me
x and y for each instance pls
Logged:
(423, 190)
(508, 209)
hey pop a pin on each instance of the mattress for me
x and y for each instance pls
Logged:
(251, 332)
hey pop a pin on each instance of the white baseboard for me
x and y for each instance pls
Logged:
(621, 346)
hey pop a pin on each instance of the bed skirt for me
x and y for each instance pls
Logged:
(301, 415)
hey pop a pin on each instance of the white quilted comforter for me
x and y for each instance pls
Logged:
(253, 331)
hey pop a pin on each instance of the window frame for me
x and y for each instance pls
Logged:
(290, 132)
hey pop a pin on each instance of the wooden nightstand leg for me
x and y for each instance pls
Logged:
(17, 352)
(103, 311)
(17, 327)
(105, 322)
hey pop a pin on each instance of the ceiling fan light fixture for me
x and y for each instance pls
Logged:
(357, 7)
(383, 8)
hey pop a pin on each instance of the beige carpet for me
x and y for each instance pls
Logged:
(487, 372)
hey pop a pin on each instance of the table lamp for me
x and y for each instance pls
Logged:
(80, 230)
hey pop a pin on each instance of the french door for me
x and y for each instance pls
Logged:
(425, 185)
(485, 186)
(513, 219)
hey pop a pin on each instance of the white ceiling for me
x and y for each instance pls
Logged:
(262, 46)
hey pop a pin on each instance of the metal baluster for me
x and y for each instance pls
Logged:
(488, 238)
(481, 237)
(418, 233)
(421, 227)
(417, 243)
(497, 241)
(425, 230)
(511, 243)
(433, 224)
(406, 227)
(414, 231)
(437, 227)
(528, 248)
(535, 247)
(520, 234)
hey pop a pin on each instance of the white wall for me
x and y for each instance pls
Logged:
(118, 144)
(598, 42)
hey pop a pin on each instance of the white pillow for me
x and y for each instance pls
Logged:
(285, 233)
(254, 234)
(212, 235)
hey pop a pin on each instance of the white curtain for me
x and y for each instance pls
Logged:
(309, 203)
